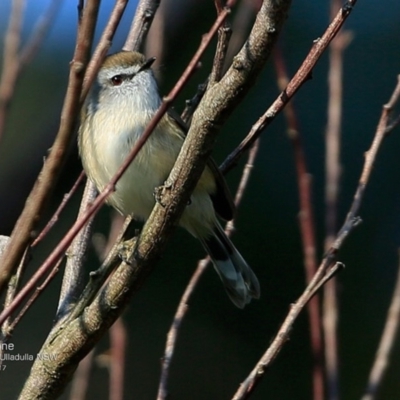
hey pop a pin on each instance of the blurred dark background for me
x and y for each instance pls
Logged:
(219, 344)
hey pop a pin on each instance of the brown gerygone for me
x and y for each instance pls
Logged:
(116, 113)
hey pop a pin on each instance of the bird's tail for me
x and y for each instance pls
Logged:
(240, 282)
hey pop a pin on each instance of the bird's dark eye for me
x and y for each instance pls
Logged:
(116, 80)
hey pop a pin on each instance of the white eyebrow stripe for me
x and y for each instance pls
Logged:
(129, 71)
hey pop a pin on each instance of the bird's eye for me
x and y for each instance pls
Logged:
(117, 80)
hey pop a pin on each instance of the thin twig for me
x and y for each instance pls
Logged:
(14, 60)
(370, 156)
(224, 34)
(11, 67)
(155, 44)
(39, 33)
(13, 287)
(80, 383)
(244, 17)
(301, 76)
(173, 332)
(395, 122)
(328, 267)
(67, 197)
(332, 185)
(192, 104)
(386, 344)
(8, 326)
(80, 7)
(218, 5)
(103, 245)
(307, 229)
(118, 343)
(332, 151)
(248, 386)
(34, 297)
(246, 173)
(144, 15)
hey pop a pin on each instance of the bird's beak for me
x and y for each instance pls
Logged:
(148, 63)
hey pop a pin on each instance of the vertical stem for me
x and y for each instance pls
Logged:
(333, 172)
(11, 65)
(307, 229)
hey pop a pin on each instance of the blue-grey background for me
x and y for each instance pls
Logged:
(219, 344)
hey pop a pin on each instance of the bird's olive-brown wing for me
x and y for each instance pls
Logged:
(222, 198)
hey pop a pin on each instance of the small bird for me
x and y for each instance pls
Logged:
(117, 111)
